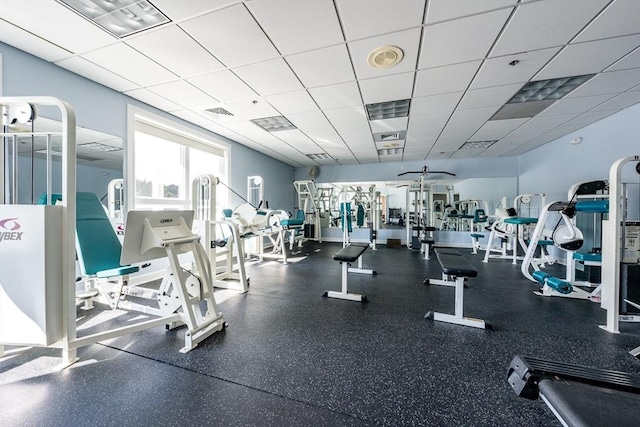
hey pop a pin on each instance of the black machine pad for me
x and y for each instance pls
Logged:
(454, 264)
(350, 253)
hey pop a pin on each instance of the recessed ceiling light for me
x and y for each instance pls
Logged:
(474, 145)
(390, 136)
(388, 110)
(219, 111)
(390, 151)
(543, 90)
(274, 124)
(385, 57)
(575, 141)
(319, 156)
(100, 146)
(119, 17)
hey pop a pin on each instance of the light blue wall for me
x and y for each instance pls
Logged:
(556, 166)
(100, 108)
(463, 168)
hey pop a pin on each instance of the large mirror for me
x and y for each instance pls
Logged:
(448, 205)
(99, 160)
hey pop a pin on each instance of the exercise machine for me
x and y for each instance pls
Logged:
(221, 240)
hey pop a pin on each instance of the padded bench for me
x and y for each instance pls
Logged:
(578, 395)
(455, 268)
(347, 255)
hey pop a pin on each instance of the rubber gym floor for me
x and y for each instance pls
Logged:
(290, 357)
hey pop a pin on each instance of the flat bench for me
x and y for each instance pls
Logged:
(455, 268)
(578, 395)
(347, 255)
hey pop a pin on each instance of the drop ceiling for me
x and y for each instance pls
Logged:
(307, 62)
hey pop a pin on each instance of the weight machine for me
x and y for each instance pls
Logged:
(221, 239)
(38, 293)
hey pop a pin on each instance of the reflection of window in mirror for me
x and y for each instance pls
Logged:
(165, 163)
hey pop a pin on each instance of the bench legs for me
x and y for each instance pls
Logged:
(360, 269)
(457, 318)
(343, 294)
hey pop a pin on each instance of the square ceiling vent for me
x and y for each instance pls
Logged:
(274, 124)
(537, 96)
(118, 17)
(388, 110)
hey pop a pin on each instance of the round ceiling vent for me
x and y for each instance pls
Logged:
(385, 57)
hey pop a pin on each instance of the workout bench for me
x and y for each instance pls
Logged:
(578, 395)
(346, 256)
(455, 268)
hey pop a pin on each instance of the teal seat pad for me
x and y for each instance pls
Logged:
(130, 269)
(582, 256)
(520, 220)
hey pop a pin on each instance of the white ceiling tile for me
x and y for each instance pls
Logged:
(499, 71)
(232, 35)
(429, 121)
(191, 116)
(56, 23)
(451, 78)
(624, 100)
(496, 129)
(179, 10)
(309, 119)
(23, 40)
(387, 125)
(589, 57)
(295, 26)
(575, 105)
(346, 114)
(467, 153)
(461, 40)
(620, 18)
(435, 104)
(632, 60)
(547, 121)
(298, 101)
(543, 24)
(130, 64)
(365, 18)
(224, 86)
(269, 77)
(359, 141)
(478, 115)
(298, 140)
(171, 47)
(339, 95)
(248, 109)
(390, 88)
(464, 130)
(423, 134)
(408, 41)
(153, 99)
(488, 97)
(586, 119)
(608, 83)
(323, 67)
(444, 10)
(96, 73)
(184, 94)
(351, 129)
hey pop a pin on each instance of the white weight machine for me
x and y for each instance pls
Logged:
(221, 239)
(38, 294)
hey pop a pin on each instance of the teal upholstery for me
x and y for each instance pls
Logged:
(520, 220)
(296, 222)
(228, 213)
(592, 257)
(97, 244)
(593, 206)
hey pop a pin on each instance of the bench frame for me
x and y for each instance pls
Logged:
(456, 281)
(344, 294)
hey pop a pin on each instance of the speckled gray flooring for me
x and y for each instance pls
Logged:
(291, 357)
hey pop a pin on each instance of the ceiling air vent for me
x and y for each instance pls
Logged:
(319, 156)
(274, 124)
(385, 57)
(388, 110)
(219, 110)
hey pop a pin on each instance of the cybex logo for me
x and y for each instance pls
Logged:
(165, 220)
(11, 225)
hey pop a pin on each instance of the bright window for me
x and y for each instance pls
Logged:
(165, 162)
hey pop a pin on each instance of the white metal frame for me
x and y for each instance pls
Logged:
(458, 317)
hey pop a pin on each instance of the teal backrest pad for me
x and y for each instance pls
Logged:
(97, 243)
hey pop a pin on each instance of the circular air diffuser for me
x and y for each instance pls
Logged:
(385, 57)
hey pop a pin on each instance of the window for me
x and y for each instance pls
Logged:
(163, 160)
